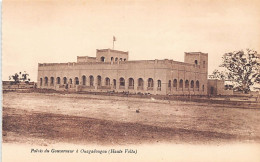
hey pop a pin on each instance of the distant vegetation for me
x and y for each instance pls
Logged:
(18, 77)
(241, 68)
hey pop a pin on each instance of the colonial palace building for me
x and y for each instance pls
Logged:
(111, 70)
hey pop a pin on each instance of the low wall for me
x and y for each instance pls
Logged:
(23, 86)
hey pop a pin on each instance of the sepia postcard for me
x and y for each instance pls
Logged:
(130, 80)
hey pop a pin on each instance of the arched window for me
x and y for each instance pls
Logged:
(122, 82)
(186, 84)
(102, 59)
(124, 59)
(40, 81)
(197, 84)
(114, 83)
(116, 59)
(76, 80)
(58, 80)
(150, 82)
(70, 81)
(64, 80)
(192, 84)
(140, 82)
(46, 81)
(52, 81)
(203, 88)
(107, 81)
(170, 84)
(175, 83)
(84, 79)
(181, 84)
(204, 64)
(121, 59)
(196, 62)
(91, 80)
(130, 83)
(159, 83)
(99, 80)
(112, 59)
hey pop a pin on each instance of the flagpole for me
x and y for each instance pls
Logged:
(113, 43)
(114, 39)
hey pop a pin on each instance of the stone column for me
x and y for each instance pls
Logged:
(117, 84)
(135, 84)
(95, 82)
(126, 84)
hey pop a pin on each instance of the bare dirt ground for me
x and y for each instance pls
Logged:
(43, 119)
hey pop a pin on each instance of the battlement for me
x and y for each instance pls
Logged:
(111, 50)
(109, 55)
(85, 59)
(139, 63)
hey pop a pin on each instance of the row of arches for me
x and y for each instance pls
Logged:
(122, 82)
(89, 81)
(59, 81)
(112, 59)
(185, 84)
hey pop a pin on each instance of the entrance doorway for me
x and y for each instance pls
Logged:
(211, 90)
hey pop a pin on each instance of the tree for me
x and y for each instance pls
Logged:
(15, 78)
(19, 77)
(216, 74)
(241, 68)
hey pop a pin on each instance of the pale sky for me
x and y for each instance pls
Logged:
(58, 31)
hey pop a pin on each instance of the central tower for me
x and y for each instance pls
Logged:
(109, 55)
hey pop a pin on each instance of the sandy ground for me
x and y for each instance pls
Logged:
(45, 120)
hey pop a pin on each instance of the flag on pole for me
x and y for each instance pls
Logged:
(114, 39)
